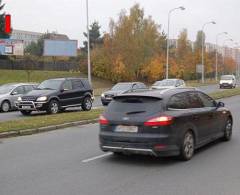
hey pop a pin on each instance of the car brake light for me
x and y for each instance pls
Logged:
(159, 121)
(103, 120)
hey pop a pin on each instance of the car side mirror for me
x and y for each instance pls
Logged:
(220, 104)
(14, 93)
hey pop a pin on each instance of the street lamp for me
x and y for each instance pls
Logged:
(224, 42)
(216, 71)
(236, 59)
(88, 45)
(212, 22)
(169, 15)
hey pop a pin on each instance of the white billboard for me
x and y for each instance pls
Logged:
(11, 47)
(60, 48)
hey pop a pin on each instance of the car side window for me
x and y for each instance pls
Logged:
(207, 101)
(134, 86)
(77, 84)
(194, 100)
(19, 90)
(67, 85)
(28, 88)
(178, 101)
(141, 86)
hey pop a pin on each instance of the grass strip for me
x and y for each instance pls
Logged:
(38, 121)
(34, 122)
(225, 94)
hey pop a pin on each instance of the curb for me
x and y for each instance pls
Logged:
(45, 129)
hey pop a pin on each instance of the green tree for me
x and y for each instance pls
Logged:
(94, 35)
(37, 48)
(3, 35)
(198, 42)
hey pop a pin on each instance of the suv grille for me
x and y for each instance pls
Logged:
(28, 98)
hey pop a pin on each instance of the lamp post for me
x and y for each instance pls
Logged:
(236, 59)
(212, 22)
(224, 42)
(216, 65)
(89, 59)
(169, 17)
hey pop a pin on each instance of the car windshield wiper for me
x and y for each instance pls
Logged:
(135, 112)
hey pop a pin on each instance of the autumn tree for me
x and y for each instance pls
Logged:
(184, 55)
(135, 38)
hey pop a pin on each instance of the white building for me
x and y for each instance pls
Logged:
(26, 36)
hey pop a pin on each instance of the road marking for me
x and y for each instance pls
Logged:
(97, 157)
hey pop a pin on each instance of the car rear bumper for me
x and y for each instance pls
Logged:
(158, 146)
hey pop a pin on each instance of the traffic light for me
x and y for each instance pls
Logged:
(7, 21)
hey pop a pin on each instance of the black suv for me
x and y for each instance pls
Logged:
(163, 122)
(56, 95)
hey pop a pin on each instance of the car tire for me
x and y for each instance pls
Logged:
(26, 112)
(104, 103)
(53, 107)
(228, 130)
(5, 107)
(187, 146)
(87, 104)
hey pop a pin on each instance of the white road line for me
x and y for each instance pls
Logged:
(97, 157)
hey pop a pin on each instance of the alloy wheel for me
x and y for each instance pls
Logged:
(188, 145)
(54, 107)
(5, 107)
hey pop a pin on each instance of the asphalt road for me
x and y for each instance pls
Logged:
(96, 103)
(69, 162)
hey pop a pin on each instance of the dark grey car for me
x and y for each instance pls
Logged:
(163, 122)
(9, 93)
(121, 88)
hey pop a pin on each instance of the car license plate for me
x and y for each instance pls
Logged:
(26, 107)
(126, 129)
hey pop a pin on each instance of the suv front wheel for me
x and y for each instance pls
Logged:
(53, 107)
(87, 104)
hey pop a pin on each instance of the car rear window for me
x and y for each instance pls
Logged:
(131, 104)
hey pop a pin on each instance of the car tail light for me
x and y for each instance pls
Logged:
(159, 121)
(159, 146)
(103, 120)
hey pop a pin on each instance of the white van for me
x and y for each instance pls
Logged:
(227, 81)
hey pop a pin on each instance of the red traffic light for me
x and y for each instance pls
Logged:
(8, 24)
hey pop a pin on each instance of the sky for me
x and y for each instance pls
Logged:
(69, 16)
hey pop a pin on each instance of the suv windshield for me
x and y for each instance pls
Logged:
(226, 77)
(5, 89)
(165, 83)
(121, 87)
(50, 84)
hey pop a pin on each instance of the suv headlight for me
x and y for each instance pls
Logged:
(103, 95)
(19, 99)
(43, 98)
